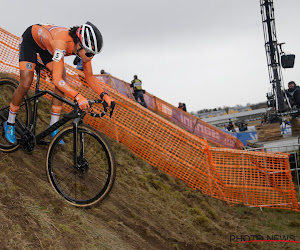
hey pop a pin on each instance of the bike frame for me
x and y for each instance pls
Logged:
(75, 114)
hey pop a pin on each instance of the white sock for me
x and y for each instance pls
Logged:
(13, 110)
(54, 119)
(11, 118)
(55, 114)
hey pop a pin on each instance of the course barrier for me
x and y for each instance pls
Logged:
(235, 176)
(181, 118)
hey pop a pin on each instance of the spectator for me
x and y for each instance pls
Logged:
(78, 62)
(243, 127)
(102, 72)
(293, 93)
(286, 122)
(230, 126)
(136, 84)
(182, 106)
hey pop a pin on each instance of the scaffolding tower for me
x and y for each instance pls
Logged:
(276, 97)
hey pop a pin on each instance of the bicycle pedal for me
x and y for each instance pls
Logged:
(42, 142)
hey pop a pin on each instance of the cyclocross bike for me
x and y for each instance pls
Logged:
(82, 169)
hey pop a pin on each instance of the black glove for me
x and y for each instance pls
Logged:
(105, 104)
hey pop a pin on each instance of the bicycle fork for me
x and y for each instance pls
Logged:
(76, 122)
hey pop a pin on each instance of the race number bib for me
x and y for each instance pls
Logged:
(58, 55)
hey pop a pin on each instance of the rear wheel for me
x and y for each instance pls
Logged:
(92, 179)
(8, 87)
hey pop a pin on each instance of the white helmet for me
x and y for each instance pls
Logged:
(90, 38)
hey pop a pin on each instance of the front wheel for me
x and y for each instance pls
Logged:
(92, 179)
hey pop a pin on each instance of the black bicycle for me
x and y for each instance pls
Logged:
(83, 169)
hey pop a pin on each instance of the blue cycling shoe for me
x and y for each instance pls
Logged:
(10, 134)
(54, 134)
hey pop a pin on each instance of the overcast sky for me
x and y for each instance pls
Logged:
(205, 53)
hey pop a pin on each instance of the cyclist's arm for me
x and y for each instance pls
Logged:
(57, 73)
(59, 48)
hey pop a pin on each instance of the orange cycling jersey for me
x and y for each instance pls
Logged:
(57, 41)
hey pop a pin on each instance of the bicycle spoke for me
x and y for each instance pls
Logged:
(91, 180)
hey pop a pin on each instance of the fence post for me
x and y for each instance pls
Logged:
(154, 97)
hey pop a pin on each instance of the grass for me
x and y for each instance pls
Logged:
(147, 209)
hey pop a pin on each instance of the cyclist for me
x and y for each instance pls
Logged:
(53, 43)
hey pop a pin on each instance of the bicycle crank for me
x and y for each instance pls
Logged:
(28, 141)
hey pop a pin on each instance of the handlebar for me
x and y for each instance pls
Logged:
(91, 102)
(105, 106)
(40, 66)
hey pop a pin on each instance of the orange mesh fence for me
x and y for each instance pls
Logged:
(183, 119)
(235, 176)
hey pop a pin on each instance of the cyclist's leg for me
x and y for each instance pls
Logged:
(26, 78)
(8, 86)
(56, 90)
(56, 104)
(27, 59)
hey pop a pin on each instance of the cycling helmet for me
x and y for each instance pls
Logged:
(90, 38)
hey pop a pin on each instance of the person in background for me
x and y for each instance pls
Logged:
(293, 93)
(286, 122)
(78, 62)
(182, 106)
(230, 126)
(102, 72)
(243, 127)
(136, 84)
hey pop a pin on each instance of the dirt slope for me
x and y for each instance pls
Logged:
(147, 209)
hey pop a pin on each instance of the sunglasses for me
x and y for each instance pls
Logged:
(87, 54)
